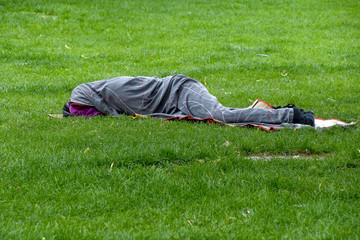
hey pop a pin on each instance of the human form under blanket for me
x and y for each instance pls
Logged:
(173, 96)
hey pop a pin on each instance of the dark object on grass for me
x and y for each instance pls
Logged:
(300, 115)
(303, 117)
(66, 110)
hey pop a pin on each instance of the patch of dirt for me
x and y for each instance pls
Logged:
(302, 156)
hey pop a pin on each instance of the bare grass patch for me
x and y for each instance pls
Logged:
(299, 156)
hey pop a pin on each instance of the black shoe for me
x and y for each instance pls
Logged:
(308, 119)
(303, 117)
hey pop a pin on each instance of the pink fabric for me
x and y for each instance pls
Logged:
(77, 109)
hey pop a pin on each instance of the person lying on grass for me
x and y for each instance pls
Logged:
(171, 96)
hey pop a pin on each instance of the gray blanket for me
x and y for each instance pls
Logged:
(170, 97)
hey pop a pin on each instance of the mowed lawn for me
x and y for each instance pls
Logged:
(119, 178)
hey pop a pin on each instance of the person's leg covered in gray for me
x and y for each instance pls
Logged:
(195, 100)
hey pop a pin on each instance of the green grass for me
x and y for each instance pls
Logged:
(118, 178)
